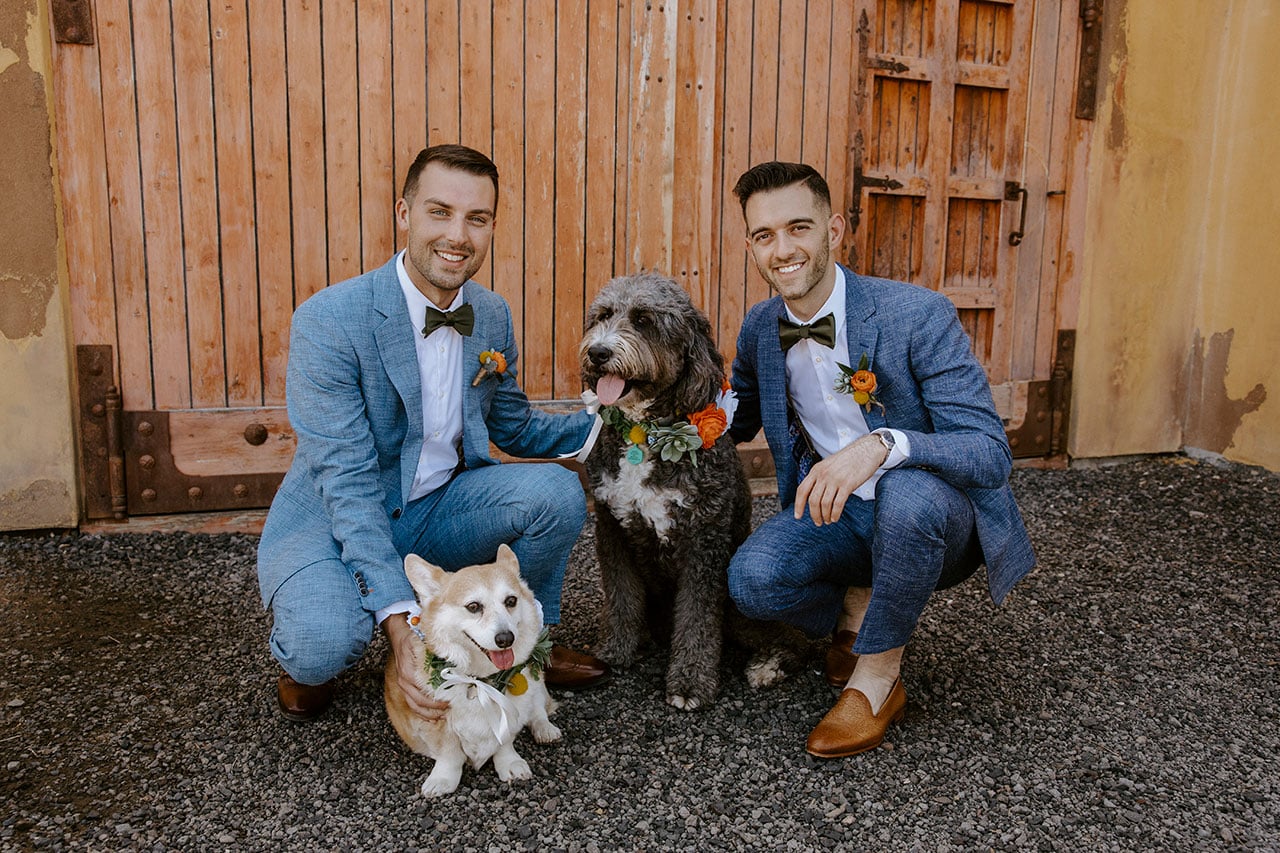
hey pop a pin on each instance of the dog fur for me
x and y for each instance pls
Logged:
(665, 531)
(469, 617)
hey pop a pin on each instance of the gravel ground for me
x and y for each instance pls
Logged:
(1124, 698)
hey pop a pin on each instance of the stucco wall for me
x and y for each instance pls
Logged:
(1179, 330)
(37, 452)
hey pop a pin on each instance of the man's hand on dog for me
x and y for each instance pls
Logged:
(408, 650)
(831, 481)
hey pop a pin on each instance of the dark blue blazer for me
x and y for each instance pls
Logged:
(933, 389)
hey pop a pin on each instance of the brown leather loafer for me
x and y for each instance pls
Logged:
(840, 658)
(850, 728)
(574, 670)
(302, 702)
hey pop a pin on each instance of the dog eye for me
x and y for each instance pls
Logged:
(474, 607)
(642, 320)
(510, 602)
(604, 314)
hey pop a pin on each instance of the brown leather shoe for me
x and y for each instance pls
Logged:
(302, 702)
(840, 658)
(574, 670)
(850, 728)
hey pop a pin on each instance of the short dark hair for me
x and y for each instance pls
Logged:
(775, 175)
(458, 157)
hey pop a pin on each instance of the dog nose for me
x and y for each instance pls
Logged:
(599, 354)
(504, 639)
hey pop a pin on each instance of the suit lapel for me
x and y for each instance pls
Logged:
(772, 367)
(861, 334)
(396, 346)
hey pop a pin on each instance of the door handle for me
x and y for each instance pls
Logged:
(1014, 191)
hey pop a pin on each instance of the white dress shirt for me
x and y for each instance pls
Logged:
(832, 419)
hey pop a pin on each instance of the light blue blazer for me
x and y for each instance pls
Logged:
(354, 395)
(932, 388)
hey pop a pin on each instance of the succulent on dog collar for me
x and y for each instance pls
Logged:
(676, 440)
(510, 680)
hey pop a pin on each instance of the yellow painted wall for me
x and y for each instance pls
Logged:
(37, 450)
(1178, 344)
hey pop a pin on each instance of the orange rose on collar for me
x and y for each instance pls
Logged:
(710, 423)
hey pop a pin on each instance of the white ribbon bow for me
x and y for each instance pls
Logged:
(491, 700)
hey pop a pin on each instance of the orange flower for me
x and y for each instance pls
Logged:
(863, 380)
(710, 423)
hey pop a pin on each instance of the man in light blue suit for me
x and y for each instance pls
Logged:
(892, 463)
(398, 380)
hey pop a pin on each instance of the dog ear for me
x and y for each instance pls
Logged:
(703, 369)
(508, 557)
(425, 578)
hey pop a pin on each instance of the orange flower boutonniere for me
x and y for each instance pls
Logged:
(861, 384)
(492, 363)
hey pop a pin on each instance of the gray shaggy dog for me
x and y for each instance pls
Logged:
(669, 513)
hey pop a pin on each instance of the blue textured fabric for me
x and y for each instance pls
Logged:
(355, 404)
(932, 388)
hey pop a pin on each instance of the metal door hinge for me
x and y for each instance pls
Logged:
(101, 433)
(1090, 58)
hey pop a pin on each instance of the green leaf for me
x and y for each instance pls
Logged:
(863, 362)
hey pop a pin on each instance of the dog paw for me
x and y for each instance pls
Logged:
(512, 770)
(438, 787)
(765, 670)
(685, 703)
(544, 732)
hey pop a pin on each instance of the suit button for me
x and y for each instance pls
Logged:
(395, 513)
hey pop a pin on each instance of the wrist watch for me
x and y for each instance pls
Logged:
(887, 439)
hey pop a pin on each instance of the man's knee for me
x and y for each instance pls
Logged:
(911, 503)
(320, 652)
(752, 583)
(557, 494)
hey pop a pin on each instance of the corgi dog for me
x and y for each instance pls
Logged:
(484, 650)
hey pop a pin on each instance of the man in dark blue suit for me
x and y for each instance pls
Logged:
(892, 463)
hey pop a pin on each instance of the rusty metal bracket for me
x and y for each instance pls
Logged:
(1060, 391)
(156, 485)
(101, 453)
(72, 21)
(1090, 59)
(1031, 438)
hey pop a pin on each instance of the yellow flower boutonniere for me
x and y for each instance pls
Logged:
(860, 383)
(492, 363)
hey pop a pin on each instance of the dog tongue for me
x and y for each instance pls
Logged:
(609, 388)
(502, 658)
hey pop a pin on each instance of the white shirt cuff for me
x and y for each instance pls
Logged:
(409, 607)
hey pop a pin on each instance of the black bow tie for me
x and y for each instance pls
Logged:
(821, 331)
(463, 320)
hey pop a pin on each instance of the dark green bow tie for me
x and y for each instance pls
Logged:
(463, 319)
(821, 331)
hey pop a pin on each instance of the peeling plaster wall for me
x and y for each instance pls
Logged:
(37, 455)
(1179, 330)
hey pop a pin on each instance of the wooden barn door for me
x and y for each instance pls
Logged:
(954, 185)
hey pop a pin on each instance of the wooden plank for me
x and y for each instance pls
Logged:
(790, 94)
(377, 185)
(508, 153)
(622, 121)
(570, 194)
(270, 100)
(819, 39)
(601, 144)
(86, 209)
(842, 122)
(124, 182)
(539, 183)
(735, 146)
(651, 151)
(943, 244)
(211, 442)
(984, 76)
(409, 88)
(475, 82)
(970, 187)
(764, 110)
(306, 149)
(341, 140)
(229, 25)
(162, 203)
(695, 132)
(443, 97)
